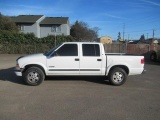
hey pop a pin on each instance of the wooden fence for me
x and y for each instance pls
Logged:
(127, 48)
(140, 49)
(115, 48)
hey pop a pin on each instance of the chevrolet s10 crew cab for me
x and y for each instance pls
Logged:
(78, 59)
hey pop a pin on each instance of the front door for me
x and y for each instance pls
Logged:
(65, 60)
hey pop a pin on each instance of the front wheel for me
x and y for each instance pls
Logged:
(33, 76)
(117, 76)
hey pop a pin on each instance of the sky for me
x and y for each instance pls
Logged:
(132, 18)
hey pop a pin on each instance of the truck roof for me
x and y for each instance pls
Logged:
(84, 42)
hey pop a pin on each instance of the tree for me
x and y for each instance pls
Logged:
(119, 37)
(7, 24)
(142, 38)
(81, 32)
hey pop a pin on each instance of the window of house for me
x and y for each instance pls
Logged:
(21, 27)
(56, 28)
(68, 50)
(91, 50)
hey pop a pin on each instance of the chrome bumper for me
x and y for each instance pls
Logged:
(18, 72)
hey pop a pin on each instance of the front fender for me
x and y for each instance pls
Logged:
(35, 63)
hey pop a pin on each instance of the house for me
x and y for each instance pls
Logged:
(54, 26)
(42, 26)
(29, 23)
(106, 40)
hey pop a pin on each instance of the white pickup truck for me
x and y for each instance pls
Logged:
(78, 59)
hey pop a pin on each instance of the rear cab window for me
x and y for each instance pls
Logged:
(92, 50)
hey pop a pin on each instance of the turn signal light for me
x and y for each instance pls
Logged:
(17, 67)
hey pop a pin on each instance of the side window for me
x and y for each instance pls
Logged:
(91, 50)
(21, 27)
(68, 50)
(56, 28)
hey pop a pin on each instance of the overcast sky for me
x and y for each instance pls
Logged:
(134, 17)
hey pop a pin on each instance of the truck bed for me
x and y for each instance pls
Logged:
(121, 54)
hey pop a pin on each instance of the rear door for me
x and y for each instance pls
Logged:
(65, 60)
(90, 59)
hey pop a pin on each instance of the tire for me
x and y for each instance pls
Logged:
(117, 76)
(33, 76)
(153, 57)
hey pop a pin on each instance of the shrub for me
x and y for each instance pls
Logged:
(20, 43)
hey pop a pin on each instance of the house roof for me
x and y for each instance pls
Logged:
(26, 18)
(54, 20)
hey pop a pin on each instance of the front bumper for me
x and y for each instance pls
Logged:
(18, 72)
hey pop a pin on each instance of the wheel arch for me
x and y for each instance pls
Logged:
(124, 67)
(33, 65)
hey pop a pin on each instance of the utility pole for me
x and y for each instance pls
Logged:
(147, 36)
(123, 30)
(153, 34)
(55, 39)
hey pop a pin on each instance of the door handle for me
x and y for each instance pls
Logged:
(99, 59)
(76, 59)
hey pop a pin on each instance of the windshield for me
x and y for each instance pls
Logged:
(52, 50)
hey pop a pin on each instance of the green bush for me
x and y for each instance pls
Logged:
(20, 43)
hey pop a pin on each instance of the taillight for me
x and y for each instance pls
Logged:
(142, 61)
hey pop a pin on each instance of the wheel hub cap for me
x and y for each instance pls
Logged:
(33, 77)
(118, 77)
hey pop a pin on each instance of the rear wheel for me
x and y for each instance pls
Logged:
(117, 76)
(153, 57)
(34, 76)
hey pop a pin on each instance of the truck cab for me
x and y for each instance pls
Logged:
(76, 59)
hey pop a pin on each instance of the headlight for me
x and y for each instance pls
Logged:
(17, 65)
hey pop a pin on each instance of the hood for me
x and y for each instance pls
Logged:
(34, 55)
(32, 58)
